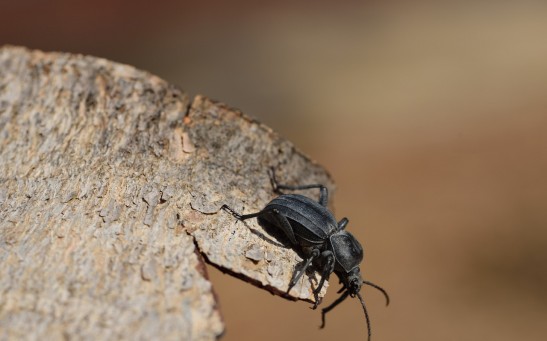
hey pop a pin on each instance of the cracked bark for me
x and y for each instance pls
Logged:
(111, 181)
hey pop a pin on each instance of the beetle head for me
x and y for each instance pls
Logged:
(353, 282)
(351, 285)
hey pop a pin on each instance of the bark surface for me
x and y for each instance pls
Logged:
(111, 181)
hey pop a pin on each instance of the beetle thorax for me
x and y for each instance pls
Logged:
(347, 251)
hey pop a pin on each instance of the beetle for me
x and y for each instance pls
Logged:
(312, 227)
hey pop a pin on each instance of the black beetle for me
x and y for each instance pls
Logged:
(311, 226)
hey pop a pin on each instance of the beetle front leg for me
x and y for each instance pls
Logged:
(328, 258)
(331, 306)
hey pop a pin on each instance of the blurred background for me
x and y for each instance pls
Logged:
(430, 116)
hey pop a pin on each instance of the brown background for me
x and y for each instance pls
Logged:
(431, 117)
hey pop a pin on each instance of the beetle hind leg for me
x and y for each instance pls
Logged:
(239, 216)
(282, 222)
(271, 214)
(323, 196)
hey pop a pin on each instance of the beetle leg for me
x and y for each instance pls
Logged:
(342, 224)
(283, 223)
(331, 306)
(328, 268)
(280, 220)
(342, 288)
(314, 254)
(239, 216)
(323, 196)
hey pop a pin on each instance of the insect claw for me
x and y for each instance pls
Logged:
(318, 301)
(231, 211)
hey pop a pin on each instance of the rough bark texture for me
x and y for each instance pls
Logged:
(111, 182)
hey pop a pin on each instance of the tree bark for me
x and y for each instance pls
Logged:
(111, 181)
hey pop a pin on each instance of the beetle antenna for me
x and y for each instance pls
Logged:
(331, 306)
(366, 314)
(379, 288)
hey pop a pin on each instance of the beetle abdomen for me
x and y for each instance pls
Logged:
(310, 221)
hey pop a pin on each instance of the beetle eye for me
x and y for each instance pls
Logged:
(354, 285)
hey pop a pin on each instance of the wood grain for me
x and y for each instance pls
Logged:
(111, 181)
